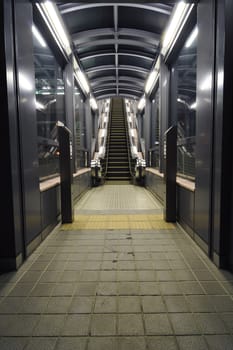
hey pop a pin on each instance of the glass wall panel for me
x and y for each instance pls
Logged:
(185, 67)
(80, 130)
(49, 105)
(155, 131)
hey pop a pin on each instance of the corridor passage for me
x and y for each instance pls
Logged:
(118, 278)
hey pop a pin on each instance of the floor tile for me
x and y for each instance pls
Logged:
(129, 304)
(149, 288)
(81, 305)
(131, 343)
(71, 343)
(103, 325)
(105, 304)
(210, 323)
(157, 324)
(102, 343)
(130, 324)
(176, 303)
(192, 342)
(13, 343)
(49, 325)
(76, 325)
(153, 304)
(162, 343)
(41, 344)
(58, 305)
(184, 323)
(223, 342)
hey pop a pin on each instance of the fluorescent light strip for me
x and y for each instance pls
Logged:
(153, 76)
(56, 23)
(175, 19)
(179, 17)
(141, 103)
(150, 81)
(38, 36)
(192, 37)
(83, 81)
(93, 103)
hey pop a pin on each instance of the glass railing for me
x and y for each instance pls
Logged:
(186, 157)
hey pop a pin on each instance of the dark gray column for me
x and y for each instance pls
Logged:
(11, 242)
(204, 121)
(223, 184)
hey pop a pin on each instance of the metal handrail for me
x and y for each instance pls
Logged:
(104, 173)
(127, 140)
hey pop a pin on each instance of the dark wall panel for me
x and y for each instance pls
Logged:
(185, 206)
(81, 184)
(50, 206)
(27, 119)
(204, 117)
(156, 185)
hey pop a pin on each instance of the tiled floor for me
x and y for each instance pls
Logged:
(117, 289)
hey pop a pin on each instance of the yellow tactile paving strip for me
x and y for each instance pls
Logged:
(120, 222)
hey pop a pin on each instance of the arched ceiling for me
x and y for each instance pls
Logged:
(116, 43)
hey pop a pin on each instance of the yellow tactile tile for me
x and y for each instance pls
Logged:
(120, 222)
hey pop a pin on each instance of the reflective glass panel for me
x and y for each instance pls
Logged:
(186, 66)
(49, 105)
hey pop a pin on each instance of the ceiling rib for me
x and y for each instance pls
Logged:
(113, 84)
(122, 88)
(112, 67)
(115, 18)
(130, 42)
(127, 78)
(93, 5)
(113, 54)
(119, 57)
(84, 36)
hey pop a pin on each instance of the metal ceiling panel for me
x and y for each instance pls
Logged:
(116, 43)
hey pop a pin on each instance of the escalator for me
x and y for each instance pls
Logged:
(118, 158)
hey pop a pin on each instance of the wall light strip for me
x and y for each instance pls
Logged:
(56, 23)
(153, 76)
(178, 18)
(83, 81)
